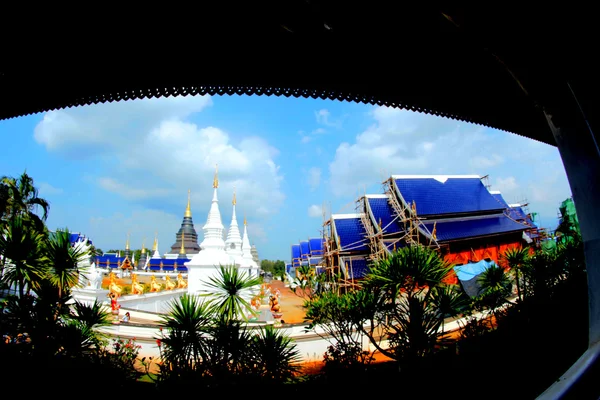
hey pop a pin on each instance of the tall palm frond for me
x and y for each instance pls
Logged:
(64, 260)
(22, 248)
(516, 259)
(231, 291)
(186, 323)
(276, 356)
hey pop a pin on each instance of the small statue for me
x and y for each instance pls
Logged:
(181, 283)
(169, 284)
(114, 305)
(136, 287)
(112, 286)
(275, 307)
(154, 286)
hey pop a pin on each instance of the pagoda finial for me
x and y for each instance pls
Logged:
(245, 223)
(216, 179)
(155, 247)
(182, 251)
(127, 243)
(234, 201)
(143, 245)
(188, 210)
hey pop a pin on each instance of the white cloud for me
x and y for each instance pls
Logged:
(323, 117)
(92, 130)
(155, 154)
(483, 162)
(46, 189)
(406, 142)
(314, 178)
(315, 211)
(185, 157)
(305, 139)
(506, 185)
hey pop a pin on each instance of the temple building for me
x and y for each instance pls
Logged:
(236, 249)
(456, 214)
(186, 235)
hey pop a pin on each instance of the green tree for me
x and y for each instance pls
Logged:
(64, 264)
(516, 259)
(22, 247)
(407, 311)
(339, 319)
(231, 290)
(495, 288)
(184, 343)
(276, 359)
(23, 199)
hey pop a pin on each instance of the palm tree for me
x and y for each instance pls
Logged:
(407, 312)
(185, 342)
(276, 357)
(63, 260)
(23, 249)
(450, 302)
(516, 259)
(231, 290)
(24, 200)
(495, 287)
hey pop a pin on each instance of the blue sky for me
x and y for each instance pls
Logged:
(118, 168)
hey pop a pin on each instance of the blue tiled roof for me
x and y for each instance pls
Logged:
(315, 246)
(500, 199)
(382, 210)
(304, 249)
(295, 253)
(315, 260)
(518, 214)
(351, 234)
(453, 230)
(288, 268)
(357, 268)
(455, 195)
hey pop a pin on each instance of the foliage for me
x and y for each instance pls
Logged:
(199, 345)
(408, 305)
(275, 356)
(277, 268)
(341, 318)
(496, 287)
(22, 245)
(23, 200)
(515, 259)
(231, 289)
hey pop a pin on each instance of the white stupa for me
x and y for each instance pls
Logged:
(233, 244)
(247, 259)
(205, 264)
(155, 253)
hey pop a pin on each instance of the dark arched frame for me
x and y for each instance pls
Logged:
(527, 72)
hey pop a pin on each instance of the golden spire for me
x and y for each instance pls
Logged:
(245, 220)
(188, 210)
(127, 244)
(234, 201)
(216, 180)
(144, 246)
(182, 251)
(155, 247)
